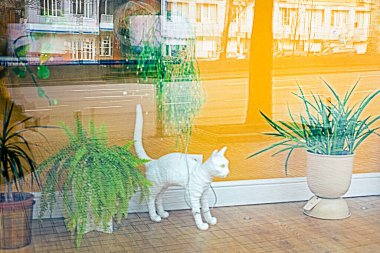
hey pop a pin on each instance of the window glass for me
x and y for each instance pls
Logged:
(190, 63)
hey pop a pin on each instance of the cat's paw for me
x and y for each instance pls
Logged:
(155, 218)
(202, 226)
(164, 215)
(212, 221)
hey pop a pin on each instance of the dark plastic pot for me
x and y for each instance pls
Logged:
(16, 221)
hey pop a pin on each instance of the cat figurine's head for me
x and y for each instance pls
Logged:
(217, 164)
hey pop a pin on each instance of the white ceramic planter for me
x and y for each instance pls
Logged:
(329, 178)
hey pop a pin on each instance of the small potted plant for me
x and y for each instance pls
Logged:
(96, 180)
(330, 131)
(16, 162)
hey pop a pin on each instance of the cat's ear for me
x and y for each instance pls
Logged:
(223, 150)
(215, 152)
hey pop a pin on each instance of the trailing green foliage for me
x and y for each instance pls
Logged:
(153, 65)
(178, 90)
(16, 156)
(330, 127)
(96, 180)
(173, 69)
(43, 72)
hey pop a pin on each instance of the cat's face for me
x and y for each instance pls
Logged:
(219, 164)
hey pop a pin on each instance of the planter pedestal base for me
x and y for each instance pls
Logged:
(329, 209)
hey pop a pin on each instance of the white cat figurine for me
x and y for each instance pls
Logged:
(179, 169)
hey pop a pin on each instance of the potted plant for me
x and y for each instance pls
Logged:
(96, 180)
(330, 131)
(16, 162)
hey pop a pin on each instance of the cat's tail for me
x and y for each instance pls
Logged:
(138, 134)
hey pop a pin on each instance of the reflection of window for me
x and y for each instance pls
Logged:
(85, 7)
(177, 9)
(213, 13)
(77, 7)
(182, 9)
(105, 46)
(339, 18)
(199, 13)
(285, 15)
(51, 7)
(315, 18)
(105, 7)
(207, 13)
(83, 49)
(169, 8)
(362, 19)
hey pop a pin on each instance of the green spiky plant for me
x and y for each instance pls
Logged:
(17, 162)
(329, 127)
(96, 180)
(16, 151)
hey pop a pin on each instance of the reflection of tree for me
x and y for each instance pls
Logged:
(309, 28)
(226, 28)
(294, 26)
(374, 28)
(234, 8)
(260, 63)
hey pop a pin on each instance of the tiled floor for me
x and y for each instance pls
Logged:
(256, 228)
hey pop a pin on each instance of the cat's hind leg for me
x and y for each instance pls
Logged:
(206, 209)
(160, 206)
(154, 191)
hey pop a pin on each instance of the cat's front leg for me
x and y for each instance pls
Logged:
(206, 209)
(195, 203)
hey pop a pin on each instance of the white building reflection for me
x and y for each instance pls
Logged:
(83, 30)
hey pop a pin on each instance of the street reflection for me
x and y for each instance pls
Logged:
(63, 56)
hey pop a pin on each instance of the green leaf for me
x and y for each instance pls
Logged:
(93, 177)
(16, 70)
(22, 51)
(43, 72)
(22, 74)
(328, 127)
(41, 93)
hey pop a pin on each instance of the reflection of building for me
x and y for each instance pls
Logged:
(321, 26)
(207, 19)
(69, 30)
(82, 30)
(11, 12)
(178, 29)
(204, 16)
(299, 26)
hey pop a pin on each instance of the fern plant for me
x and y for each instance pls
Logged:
(328, 127)
(96, 180)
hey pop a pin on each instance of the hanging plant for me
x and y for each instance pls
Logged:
(21, 71)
